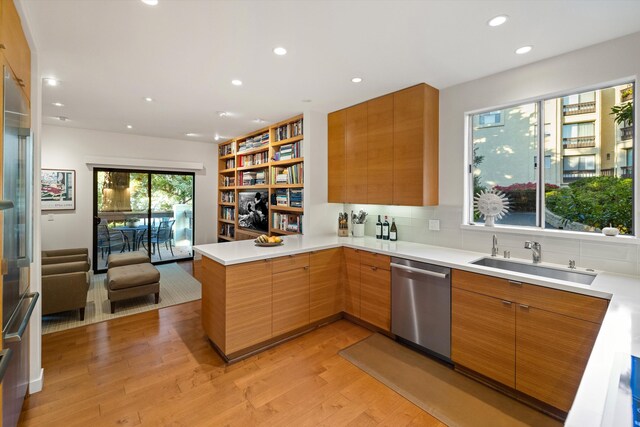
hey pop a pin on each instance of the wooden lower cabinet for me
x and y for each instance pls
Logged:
(290, 300)
(552, 351)
(375, 296)
(483, 335)
(325, 287)
(351, 282)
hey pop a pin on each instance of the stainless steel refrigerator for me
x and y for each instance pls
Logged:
(17, 234)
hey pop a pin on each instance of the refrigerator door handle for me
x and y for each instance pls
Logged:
(17, 336)
(5, 358)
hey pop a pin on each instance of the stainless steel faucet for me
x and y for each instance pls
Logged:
(536, 250)
(494, 248)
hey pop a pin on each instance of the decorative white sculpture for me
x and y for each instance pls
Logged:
(491, 204)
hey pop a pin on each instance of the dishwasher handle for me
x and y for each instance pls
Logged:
(419, 271)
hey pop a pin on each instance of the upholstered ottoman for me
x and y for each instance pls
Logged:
(129, 281)
(127, 258)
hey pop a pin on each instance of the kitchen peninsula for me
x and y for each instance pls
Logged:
(254, 297)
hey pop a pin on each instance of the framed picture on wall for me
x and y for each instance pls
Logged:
(253, 210)
(58, 189)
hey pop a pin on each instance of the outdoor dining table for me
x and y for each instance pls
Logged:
(134, 233)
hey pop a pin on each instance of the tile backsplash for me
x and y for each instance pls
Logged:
(413, 226)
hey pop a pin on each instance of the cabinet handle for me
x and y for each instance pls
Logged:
(526, 307)
(515, 282)
(306, 267)
(374, 268)
(507, 303)
(2, 46)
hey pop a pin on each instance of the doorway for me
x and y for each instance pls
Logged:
(149, 211)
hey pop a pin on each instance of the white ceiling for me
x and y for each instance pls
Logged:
(110, 54)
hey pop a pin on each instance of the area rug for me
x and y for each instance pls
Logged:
(176, 287)
(449, 396)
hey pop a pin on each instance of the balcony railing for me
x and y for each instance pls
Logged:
(626, 133)
(568, 176)
(580, 108)
(579, 142)
(607, 172)
(627, 172)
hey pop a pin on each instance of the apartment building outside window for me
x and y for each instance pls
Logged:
(588, 161)
(492, 118)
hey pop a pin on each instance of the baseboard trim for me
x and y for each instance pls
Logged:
(35, 386)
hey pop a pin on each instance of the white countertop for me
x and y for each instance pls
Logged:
(619, 334)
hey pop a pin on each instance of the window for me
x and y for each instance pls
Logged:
(587, 172)
(492, 118)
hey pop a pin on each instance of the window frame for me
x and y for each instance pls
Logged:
(539, 228)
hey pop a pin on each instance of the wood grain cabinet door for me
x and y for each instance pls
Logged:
(375, 296)
(324, 284)
(352, 282)
(290, 300)
(551, 353)
(16, 48)
(380, 150)
(483, 335)
(337, 157)
(356, 154)
(248, 307)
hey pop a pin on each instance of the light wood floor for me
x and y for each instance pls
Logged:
(158, 368)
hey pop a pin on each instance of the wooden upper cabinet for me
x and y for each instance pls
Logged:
(337, 157)
(356, 153)
(380, 150)
(415, 146)
(325, 287)
(15, 46)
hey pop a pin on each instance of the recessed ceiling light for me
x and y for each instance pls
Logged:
(190, 134)
(51, 81)
(356, 79)
(524, 49)
(217, 137)
(259, 121)
(57, 104)
(129, 127)
(280, 51)
(223, 114)
(150, 2)
(63, 118)
(498, 20)
(148, 99)
(236, 82)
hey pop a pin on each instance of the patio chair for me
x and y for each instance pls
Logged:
(110, 239)
(163, 234)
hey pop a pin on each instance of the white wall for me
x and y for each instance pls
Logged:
(607, 62)
(67, 148)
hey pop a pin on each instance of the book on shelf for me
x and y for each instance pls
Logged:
(227, 212)
(253, 177)
(226, 149)
(289, 130)
(230, 164)
(288, 197)
(288, 175)
(228, 197)
(253, 159)
(227, 230)
(286, 222)
(228, 181)
(288, 151)
(253, 142)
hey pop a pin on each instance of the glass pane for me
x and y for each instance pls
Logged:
(123, 209)
(171, 216)
(589, 184)
(504, 159)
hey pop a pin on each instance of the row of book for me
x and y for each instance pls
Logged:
(287, 197)
(289, 151)
(288, 131)
(226, 149)
(227, 212)
(230, 163)
(228, 230)
(288, 175)
(254, 142)
(228, 197)
(253, 159)
(253, 177)
(227, 181)
(286, 222)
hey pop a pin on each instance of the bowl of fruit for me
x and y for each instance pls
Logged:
(265, 240)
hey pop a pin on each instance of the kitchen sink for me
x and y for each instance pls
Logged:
(537, 270)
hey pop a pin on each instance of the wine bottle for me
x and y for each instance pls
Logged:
(385, 229)
(393, 233)
(379, 228)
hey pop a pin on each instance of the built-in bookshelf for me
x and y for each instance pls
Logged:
(261, 177)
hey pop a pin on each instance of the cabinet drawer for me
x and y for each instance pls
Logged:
(570, 304)
(375, 260)
(486, 285)
(290, 262)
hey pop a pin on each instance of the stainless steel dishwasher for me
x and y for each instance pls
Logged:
(421, 305)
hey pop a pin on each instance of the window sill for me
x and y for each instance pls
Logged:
(561, 234)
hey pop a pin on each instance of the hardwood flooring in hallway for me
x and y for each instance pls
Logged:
(158, 368)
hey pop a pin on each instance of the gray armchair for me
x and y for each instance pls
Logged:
(65, 280)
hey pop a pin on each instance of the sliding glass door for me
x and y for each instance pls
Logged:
(142, 211)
